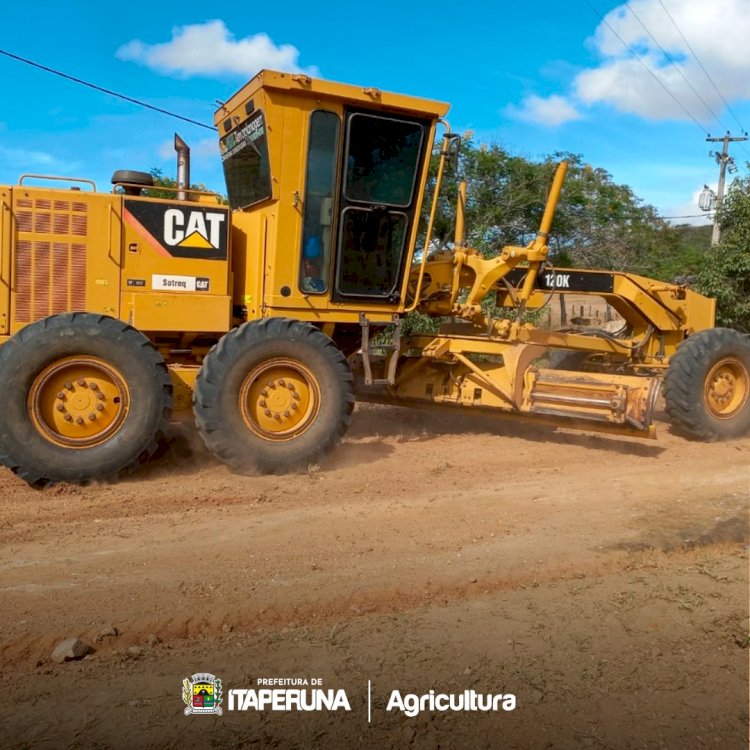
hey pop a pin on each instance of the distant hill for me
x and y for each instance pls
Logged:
(693, 238)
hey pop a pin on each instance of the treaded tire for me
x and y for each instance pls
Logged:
(567, 359)
(225, 418)
(30, 454)
(697, 364)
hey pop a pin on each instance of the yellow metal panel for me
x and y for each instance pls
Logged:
(178, 311)
(5, 259)
(305, 87)
(66, 253)
(183, 383)
(285, 232)
(248, 250)
(145, 254)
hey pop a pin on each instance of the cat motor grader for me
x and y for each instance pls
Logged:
(260, 318)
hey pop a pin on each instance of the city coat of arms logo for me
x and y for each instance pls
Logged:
(202, 694)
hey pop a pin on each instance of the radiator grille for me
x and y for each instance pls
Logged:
(51, 251)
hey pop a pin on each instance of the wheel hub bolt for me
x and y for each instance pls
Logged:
(263, 403)
(79, 420)
(69, 386)
(92, 416)
(267, 412)
(60, 407)
(101, 396)
(61, 396)
(277, 417)
(81, 382)
(68, 418)
(282, 383)
(294, 407)
(271, 384)
(295, 396)
(287, 414)
(100, 407)
(290, 386)
(93, 386)
(264, 393)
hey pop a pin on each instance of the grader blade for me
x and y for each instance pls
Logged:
(622, 400)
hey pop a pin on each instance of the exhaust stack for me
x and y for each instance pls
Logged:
(183, 167)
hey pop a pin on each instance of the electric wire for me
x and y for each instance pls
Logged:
(697, 59)
(686, 216)
(675, 66)
(707, 74)
(80, 81)
(650, 72)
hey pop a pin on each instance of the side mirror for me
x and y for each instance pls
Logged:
(453, 149)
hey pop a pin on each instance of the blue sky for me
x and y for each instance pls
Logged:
(534, 77)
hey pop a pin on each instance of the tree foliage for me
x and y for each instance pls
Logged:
(162, 181)
(726, 273)
(598, 224)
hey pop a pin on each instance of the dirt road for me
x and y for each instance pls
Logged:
(603, 581)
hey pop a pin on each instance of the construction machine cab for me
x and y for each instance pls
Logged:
(339, 216)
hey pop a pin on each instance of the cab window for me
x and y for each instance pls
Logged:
(320, 186)
(382, 161)
(244, 154)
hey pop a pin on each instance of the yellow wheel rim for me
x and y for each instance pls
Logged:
(78, 402)
(726, 388)
(279, 399)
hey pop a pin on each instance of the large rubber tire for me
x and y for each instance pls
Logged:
(272, 396)
(567, 359)
(707, 386)
(84, 367)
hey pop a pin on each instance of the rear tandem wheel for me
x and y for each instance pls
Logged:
(85, 397)
(272, 396)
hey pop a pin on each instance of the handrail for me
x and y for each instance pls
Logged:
(433, 212)
(54, 177)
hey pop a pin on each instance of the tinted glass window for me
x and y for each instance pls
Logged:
(382, 160)
(320, 185)
(372, 243)
(244, 153)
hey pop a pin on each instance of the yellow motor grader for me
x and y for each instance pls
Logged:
(264, 317)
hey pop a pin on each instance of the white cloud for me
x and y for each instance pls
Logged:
(211, 49)
(717, 31)
(551, 111)
(21, 158)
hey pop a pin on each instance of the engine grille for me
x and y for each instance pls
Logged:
(50, 255)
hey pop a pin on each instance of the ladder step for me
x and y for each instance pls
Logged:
(367, 346)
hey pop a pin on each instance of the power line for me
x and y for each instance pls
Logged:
(674, 65)
(686, 216)
(651, 72)
(105, 91)
(697, 59)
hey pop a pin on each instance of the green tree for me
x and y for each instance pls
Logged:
(725, 275)
(599, 223)
(161, 181)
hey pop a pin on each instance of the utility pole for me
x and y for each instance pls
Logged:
(724, 160)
